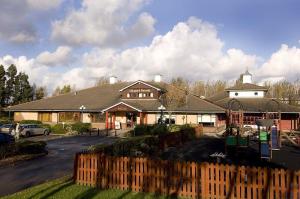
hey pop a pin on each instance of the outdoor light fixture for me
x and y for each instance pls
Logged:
(82, 108)
(161, 109)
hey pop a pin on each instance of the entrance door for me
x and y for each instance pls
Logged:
(130, 119)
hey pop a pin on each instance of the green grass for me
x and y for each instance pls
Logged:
(65, 188)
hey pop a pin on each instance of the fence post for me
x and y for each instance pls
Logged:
(203, 181)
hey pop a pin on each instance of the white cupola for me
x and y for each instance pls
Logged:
(247, 77)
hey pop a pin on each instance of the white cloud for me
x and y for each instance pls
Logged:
(103, 23)
(44, 4)
(22, 37)
(192, 49)
(283, 64)
(61, 56)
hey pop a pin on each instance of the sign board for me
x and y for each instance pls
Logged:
(117, 125)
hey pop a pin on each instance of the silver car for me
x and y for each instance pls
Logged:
(33, 129)
(6, 128)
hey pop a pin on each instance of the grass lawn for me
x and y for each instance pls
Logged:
(65, 188)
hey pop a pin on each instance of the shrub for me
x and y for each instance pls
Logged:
(174, 128)
(22, 148)
(81, 127)
(59, 129)
(30, 122)
(141, 130)
(159, 129)
(5, 121)
(188, 131)
(30, 147)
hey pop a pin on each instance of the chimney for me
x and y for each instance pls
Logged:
(157, 78)
(112, 80)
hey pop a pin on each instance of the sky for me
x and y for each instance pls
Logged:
(58, 42)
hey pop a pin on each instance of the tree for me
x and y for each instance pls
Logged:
(2, 85)
(10, 84)
(64, 90)
(102, 81)
(174, 98)
(40, 92)
(181, 83)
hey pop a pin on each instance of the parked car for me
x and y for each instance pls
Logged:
(6, 138)
(33, 129)
(6, 128)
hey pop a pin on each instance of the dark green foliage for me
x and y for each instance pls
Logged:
(141, 130)
(159, 129)
(2, 86)
(30, 147)
(81, 127)
(14, 88)
(188, 131)
(22, 148)
(135, 146)
(30, 122)
(59, 129)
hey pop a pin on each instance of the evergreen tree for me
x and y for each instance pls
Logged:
(2, 85)
(10, 84)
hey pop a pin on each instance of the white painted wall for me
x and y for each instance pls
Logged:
(246, 94)
(247, 79)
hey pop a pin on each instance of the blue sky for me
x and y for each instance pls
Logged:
(256, 33)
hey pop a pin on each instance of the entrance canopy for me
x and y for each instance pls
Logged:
(121, 107)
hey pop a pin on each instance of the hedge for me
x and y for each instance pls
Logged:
(22, 148)
(30, 122)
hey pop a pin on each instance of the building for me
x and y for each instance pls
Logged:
(122, 105)
(251, 100)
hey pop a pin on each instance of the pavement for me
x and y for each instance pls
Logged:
(58, 163)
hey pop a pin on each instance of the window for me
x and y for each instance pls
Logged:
(69, 117)
(97, 117)
(166, 119)
(45, 117)
(128, 95)
(207, 119)
(140, 95)
(151, 94)
(236, 94)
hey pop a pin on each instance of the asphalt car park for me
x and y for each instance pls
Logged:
(57, 163)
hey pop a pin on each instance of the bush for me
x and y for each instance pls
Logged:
(59, 129)
(30, 122)
(22, 148)
(159, 129)
(141, 130)
(188, 131)
(5, 121)
(81, 127)
(174, 128)
(30, 147)
(129, 147)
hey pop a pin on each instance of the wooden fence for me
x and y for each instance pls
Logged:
(185, 179)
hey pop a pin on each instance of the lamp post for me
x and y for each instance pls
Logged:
(82, 108)
(161, 108)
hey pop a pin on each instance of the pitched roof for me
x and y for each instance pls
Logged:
(218, 96)
(102, 97)
(247, 86)
(95, 98)
(259, 105)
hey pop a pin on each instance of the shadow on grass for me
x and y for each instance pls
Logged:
(90, 193)
(58, 189)
(50, 186)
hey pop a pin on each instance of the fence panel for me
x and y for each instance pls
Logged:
(185, 179)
